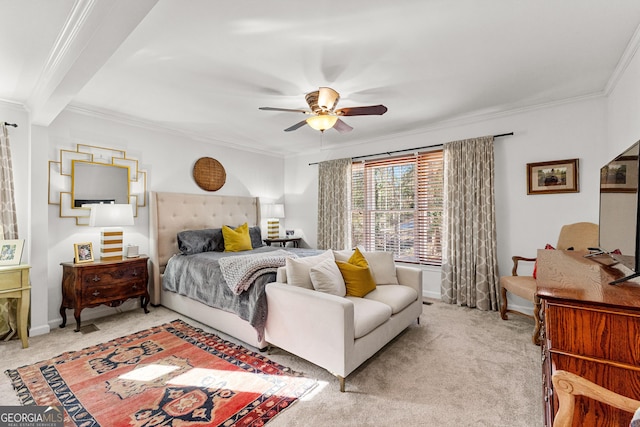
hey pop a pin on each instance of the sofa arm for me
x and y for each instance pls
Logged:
(410, 276)
(316, 326)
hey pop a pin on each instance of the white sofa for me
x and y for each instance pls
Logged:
(340, 333)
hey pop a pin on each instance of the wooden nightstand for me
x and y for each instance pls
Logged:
(110, 283)
(14, 283)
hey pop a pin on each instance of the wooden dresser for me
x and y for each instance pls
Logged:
(590, 328)
(95, 283)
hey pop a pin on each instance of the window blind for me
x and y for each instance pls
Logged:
(397, 206)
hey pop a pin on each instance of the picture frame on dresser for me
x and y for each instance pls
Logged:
(11, 251)
(83, 252)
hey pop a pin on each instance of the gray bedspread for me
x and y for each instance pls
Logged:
(199, 277)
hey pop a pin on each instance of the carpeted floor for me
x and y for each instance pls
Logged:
(459, 367)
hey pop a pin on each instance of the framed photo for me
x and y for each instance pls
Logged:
(83, 252)
(559, 176)
(11, 251)
(620, 176)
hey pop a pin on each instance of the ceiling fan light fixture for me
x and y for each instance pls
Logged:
(322, 122)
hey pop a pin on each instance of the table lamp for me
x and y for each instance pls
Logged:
(111, 217)
(273, 213)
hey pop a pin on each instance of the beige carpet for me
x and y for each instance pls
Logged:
(459, 367)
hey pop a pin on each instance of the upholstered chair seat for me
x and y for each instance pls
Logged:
(579, 237)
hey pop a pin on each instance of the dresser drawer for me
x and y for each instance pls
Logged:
(115, 275)
(98, 294)
(595, 332)
(10, 280)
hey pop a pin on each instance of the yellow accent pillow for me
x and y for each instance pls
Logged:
(236, 240)
(356, 274)
(358, 259)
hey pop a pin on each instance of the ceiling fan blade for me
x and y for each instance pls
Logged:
(362, 111)
(342, 127)
(327, 98)
(296, 126)
(283, 109)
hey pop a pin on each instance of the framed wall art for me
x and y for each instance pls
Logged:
(620, 175)
(83, 252)
(11, 251)
(558, 176)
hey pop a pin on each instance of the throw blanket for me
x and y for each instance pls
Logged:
(241, 271)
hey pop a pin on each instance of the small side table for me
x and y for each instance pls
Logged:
(14, 283)
(295, 241)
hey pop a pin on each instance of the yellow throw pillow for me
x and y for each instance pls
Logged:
(236, 240)
(358, 259)
(358, 280)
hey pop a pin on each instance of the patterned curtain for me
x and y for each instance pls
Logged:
(469, 255)
(334, 177)
(9, 223)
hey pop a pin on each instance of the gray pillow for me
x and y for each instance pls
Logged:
(256, 237)
(195, 241)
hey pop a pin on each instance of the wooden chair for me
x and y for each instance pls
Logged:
(579, 236)
(567, 386)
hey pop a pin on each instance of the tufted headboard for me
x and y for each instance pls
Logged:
(170, 213)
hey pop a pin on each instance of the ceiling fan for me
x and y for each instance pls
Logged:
(323, 112)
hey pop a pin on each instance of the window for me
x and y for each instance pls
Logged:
(396, 205)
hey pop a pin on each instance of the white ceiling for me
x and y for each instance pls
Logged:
(203, 67)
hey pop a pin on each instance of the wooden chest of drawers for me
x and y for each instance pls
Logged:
(590, 328)
(109, 283)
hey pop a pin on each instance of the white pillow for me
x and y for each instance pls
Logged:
(298, 268)
(382, 267)
(326, 277)
(343, 255)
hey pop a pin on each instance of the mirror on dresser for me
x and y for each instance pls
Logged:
(93, 174)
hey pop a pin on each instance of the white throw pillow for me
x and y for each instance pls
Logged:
(298, 268)
(343, 255)
(326, 277)
(382, 267)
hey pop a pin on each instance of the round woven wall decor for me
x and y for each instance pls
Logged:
(209, 174)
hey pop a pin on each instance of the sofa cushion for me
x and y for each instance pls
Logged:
(368, 315)
(343, 255)
(298, 269)
(395, 296)
(358, 280)
(326, 277)
(383, 267)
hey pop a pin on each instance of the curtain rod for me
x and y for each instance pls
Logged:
(11, 124)
(409, 149)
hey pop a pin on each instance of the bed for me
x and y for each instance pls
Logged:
(171, 213)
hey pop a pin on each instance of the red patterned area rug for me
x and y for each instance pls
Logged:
(169, 375)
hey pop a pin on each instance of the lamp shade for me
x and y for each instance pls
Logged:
(322, 122)
(111, 215)
(274, 211)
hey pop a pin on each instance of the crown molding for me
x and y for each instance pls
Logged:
(626, 58)
(13, 105)
(59, 56)
(129, 120)
(75, 21)
(467, 119)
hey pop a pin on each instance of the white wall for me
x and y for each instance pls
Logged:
(525, 223)
(168, 160)
(623, 110)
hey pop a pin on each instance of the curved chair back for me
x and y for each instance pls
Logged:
(580, 236)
